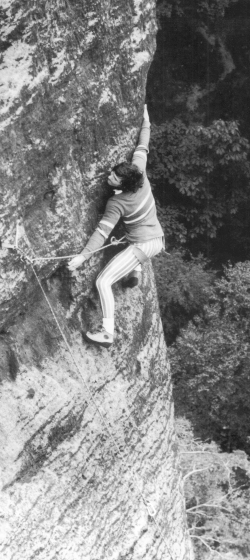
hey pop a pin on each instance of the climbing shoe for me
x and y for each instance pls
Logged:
(131, 280)
(100, 337)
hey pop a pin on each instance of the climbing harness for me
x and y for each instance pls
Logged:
(150, 510)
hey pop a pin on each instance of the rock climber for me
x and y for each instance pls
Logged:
(134, 203)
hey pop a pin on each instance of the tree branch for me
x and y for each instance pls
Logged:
(195, 471)
(206, 544)
(207, 505)
(200, 513)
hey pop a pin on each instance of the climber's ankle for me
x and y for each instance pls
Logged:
(109, 324)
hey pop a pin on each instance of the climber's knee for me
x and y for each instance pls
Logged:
(101, 283)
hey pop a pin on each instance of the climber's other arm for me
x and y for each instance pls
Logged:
(141, 151)
(110, 218)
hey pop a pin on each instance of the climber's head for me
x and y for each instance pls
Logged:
(126, 176)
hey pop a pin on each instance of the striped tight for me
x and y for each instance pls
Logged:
(121, 265)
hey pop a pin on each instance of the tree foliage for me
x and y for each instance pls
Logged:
(183, 285)
(205, 9)
(217, 492)
(199, 167)
(202, 174)
(211, 360)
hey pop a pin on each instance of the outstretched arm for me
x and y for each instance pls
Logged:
(140, 153)
(110, 218)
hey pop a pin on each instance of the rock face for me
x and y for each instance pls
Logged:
(89, 467)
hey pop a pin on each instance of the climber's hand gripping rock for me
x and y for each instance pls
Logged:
(145, 113)
(76, 262)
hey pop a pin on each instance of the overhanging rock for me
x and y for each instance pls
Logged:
(88, 462)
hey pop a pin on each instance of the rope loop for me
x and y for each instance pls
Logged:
(114, 241)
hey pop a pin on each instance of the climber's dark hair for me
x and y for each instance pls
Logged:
(132, 177)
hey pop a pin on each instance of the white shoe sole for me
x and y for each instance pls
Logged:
(97, 342)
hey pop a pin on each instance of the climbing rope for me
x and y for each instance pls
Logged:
(113, 242)
(151, 512)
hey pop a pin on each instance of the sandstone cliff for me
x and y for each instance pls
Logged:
(88, 462)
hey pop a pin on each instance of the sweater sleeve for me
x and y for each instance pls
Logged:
(96, 241)
(140, 153)
(111, 216)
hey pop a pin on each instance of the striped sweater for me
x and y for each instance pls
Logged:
(137, 210)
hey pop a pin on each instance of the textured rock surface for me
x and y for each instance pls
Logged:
(72, 88)
(91, 477)
(88, 462)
